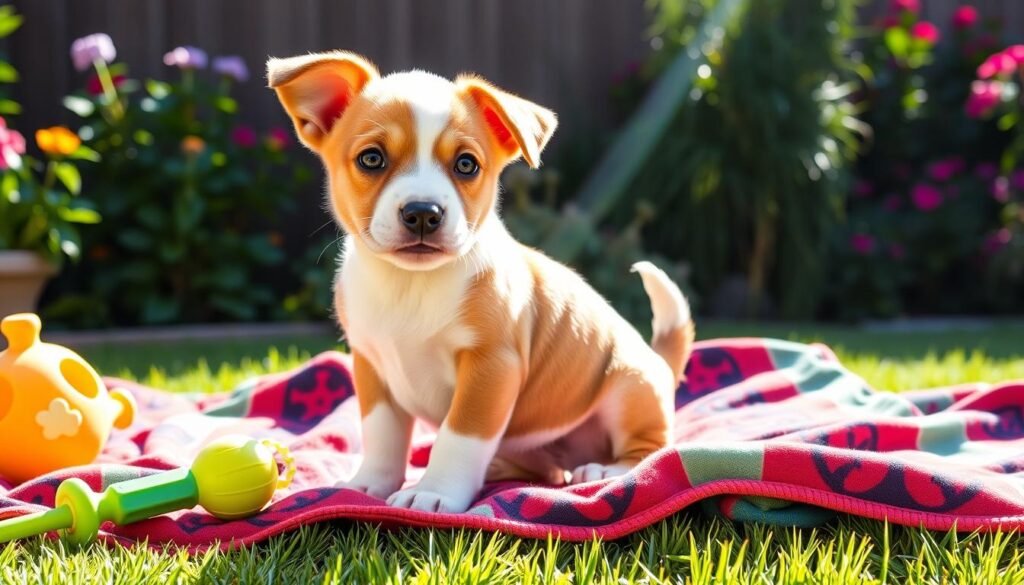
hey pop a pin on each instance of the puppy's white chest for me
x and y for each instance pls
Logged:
(410, 331)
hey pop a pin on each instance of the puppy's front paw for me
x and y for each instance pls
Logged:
(429, 500)
(373, 483)
(596, 471)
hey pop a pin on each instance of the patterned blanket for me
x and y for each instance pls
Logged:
(767, 431)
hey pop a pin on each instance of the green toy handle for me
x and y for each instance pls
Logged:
(80, 511)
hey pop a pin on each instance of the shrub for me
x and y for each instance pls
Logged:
(921, 206)
(186, 191)
(750, 178)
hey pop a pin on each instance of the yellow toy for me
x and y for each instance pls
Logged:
(232, 477)
(55, 411)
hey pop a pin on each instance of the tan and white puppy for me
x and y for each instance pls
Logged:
(526, 372)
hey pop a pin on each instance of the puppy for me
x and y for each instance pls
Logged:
(526, 372)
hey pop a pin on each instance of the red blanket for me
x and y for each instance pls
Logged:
(767, 431)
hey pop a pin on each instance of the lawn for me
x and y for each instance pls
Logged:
(687, 547)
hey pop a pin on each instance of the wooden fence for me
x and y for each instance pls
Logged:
(561, 53)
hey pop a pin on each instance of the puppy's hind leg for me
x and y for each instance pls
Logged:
(638, 420)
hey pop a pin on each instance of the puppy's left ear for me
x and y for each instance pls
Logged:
(316, 89)
(518, 126)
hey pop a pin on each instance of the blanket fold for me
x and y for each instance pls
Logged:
(766, 430)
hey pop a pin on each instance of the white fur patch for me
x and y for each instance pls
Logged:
(670, 308)
(453, 477)
(386, 451)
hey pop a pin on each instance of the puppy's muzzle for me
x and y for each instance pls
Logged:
(421, 217)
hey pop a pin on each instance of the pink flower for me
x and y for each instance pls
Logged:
(985, 96)
(862, 243)
(1016, 52)
(1001, 189)
(925, 31)
(12, 146)
(863, 188)
(897, 251)
(186, 58)
(89, 49)
(998, 64)
(892, 203)
(1017, 180)
(945, 169)
(926, 197)
(244, 136)
(913, 6)
(231, 66)
(278, 139)
(965, 17)
(996, 241)
(986, 170)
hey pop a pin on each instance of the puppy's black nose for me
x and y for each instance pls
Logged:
(421, 217)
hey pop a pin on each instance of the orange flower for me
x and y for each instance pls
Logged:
(193, 145)
(57, 140)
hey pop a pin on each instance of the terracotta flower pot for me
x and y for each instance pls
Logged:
(22, 277)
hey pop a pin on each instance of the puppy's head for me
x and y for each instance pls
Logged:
(412, 159)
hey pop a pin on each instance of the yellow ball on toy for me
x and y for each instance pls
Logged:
(236, 476)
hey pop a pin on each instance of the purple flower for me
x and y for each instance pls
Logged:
(244, 136)
(862, 243)
(89, 49)
(996, 241)
(231, 66)
(186, 58)
(945, 169)
(926, 197)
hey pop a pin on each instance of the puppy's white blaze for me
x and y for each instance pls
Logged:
(670, 308)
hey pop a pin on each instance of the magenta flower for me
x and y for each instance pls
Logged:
(278, 139)
(244, 136)
(945, 169)
(12, 146)
(1001, 189)
(89, 49)
(913, 6)
(1001, 63)
(985, 96)
(926, 197)
(986, 170)
(925, 31)
(862, 243)
(965, 17)
(231, 66)
(186, 58)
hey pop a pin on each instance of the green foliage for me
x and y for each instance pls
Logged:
(753, 166)
(40, 202)
(605, 256)
(186, 193)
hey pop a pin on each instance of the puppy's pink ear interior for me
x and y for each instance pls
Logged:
(316, 89)
(519, 127)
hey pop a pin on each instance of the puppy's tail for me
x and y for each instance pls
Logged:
(672, 323)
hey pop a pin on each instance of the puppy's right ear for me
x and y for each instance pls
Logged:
(316, 89)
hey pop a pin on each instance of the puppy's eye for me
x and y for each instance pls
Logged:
(466, 165)
(371, 159)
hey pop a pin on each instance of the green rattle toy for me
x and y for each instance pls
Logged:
(232, 477)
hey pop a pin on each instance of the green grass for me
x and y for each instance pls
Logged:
(685, 548)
